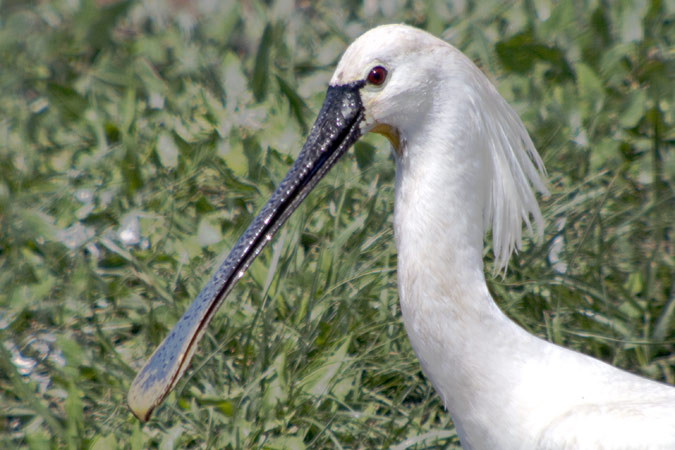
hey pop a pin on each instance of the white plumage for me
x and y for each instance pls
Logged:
(465, 163)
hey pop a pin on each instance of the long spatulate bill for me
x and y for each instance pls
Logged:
(336, 128)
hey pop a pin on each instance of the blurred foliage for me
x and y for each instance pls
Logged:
(138, 139)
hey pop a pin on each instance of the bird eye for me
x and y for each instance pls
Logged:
(377, 75)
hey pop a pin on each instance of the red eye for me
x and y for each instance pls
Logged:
(377, 75)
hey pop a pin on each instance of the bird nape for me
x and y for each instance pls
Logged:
(464, 164)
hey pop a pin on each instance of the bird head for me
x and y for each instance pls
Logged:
(398, 69)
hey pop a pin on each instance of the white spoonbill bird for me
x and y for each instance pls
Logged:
(464, 163)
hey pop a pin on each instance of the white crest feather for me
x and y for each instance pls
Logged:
(516, 166)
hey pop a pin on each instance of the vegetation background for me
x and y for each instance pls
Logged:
(138, 139)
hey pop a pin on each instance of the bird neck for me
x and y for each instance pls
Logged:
(454, 325)
(439, 220)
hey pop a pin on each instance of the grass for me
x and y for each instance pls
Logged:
(137, 143)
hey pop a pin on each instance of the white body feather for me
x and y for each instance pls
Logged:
(465, 163)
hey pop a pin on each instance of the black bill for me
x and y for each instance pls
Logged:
(335, 130)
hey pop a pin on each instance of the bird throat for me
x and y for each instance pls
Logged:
(391, 134)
